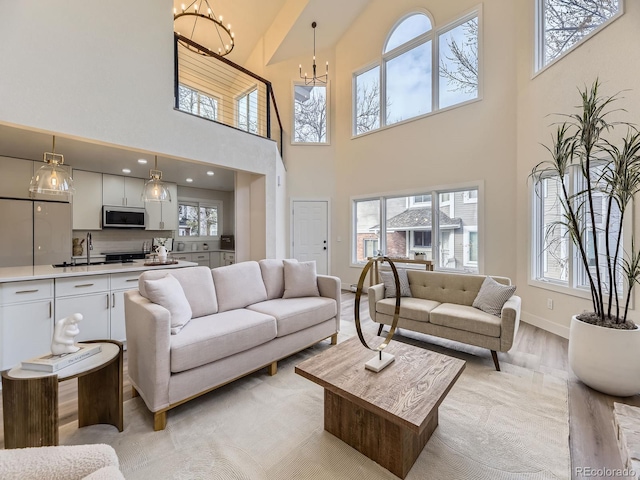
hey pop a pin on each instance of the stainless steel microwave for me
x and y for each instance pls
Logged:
(123, 217)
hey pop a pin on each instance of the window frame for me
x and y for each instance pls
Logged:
(200, 93)
(435, 230)
(432, 35)
(202, 203)
(245, 94)
(536, 243)
(328, 114)
(539, 65)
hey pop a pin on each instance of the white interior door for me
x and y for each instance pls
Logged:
(311, 233)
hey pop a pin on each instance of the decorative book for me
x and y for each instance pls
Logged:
(52, 363)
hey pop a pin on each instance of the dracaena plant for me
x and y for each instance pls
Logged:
(608, 170)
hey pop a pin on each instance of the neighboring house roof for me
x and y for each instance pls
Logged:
(420, 219)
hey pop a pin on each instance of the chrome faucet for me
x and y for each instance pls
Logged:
(89, 248)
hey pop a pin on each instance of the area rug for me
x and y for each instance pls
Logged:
(492, 425)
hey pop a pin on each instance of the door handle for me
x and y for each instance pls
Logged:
(50, 308)
(113, 300)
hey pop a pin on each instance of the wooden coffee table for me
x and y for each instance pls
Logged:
(388, 416)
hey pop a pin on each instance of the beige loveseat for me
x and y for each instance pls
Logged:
(441, 305)
(239, 323)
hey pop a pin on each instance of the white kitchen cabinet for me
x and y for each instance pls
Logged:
(214, 259)
(124, 191)
(227, 258)
(187, 257)
(87, 200)
(15, 178)
(163, 215)
(202, 258)
(90, 296)
(26, 320)
(120, 283)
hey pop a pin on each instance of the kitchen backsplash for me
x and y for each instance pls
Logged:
(130, 240)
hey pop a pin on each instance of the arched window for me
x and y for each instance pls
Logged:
(406, 84)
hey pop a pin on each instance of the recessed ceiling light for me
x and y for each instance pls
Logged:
(142, 161)
(189, 180)
(126, 170)
(210, 173)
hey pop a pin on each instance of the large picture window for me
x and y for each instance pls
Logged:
(563, 24)
(310, 115)
(554, 257)
(421, 70)
(445, 230)
(199, 219)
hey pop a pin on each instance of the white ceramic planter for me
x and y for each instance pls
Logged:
(605, 359)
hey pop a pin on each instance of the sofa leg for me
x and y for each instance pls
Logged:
(494, 355)
(159, 420)
(273, 368)
(334, 339)
(380, 329)
(134, 392)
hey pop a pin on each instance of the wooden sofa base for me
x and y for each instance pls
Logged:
(494, 354)
(160, 417)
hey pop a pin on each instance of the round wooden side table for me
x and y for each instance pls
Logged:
(30, 398)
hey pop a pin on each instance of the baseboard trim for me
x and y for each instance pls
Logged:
(545, 324)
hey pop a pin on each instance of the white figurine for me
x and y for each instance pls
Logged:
(63, 335)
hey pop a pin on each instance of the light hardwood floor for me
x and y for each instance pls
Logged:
(592, 438)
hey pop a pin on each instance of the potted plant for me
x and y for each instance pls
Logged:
(604, 345)
(419, 255)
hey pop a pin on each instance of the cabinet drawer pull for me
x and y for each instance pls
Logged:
(113, 300)
(50, 309)
(108, 301)
(132, 280)
(28, 291)
(84, 285)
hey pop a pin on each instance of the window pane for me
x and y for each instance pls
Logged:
(208, 107)
(242, 113)
(367, 229)
(553, 235)
(409, 84)
(188, 220)
(565, 22)
(367, 101)
(188, 99)
(407, 222)
(458, 231)
(253, 112)
(459, 64)
(310, 113)
(408, 29)
(208, 221)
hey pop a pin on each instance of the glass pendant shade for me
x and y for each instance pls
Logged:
(155, 191)
(52, 178)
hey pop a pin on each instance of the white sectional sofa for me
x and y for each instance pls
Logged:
(441, 304)
(239, 323)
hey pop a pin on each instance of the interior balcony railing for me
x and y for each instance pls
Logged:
(214, 88)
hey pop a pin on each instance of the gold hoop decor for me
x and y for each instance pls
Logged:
(383, 359)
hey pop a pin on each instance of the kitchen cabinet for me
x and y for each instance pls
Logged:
(90, 296)
(87, 200)
(227, 258)
(120, 283)
(201, 258)
(15, 178)
(187, 257)
(26, 320)
(163, 215)
(124, 191)
(214, 259)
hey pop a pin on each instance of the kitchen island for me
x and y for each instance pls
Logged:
(32, 297)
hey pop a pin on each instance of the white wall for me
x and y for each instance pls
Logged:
(606, 56)
(105, 74)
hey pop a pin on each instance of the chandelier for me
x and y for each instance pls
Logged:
(315, 79)
(52, 178)
(200, 24)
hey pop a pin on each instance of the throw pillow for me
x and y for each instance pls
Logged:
(390, 283)
(300, 279)
(168, 292)
(492, 296)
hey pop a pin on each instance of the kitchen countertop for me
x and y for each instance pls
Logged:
(38, 272)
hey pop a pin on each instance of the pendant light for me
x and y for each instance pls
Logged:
(155, 189)
(52, 178)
